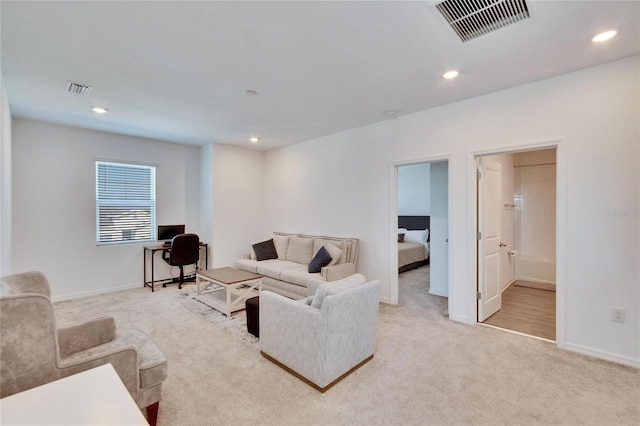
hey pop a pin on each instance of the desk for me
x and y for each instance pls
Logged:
(161, 247)
(93, 397)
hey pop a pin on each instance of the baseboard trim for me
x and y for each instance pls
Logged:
(607, 356)
(309, 382)
(437, 293)
(461, 319)
(94, 293)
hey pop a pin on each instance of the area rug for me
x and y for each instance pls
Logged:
(236, 325)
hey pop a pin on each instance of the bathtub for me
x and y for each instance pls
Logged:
(535, 269)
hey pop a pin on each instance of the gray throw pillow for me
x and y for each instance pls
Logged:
(322, 258)
(265, 250)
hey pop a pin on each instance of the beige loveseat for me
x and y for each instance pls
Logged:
(288, 274)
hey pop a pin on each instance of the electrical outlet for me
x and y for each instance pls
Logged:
(617, 314)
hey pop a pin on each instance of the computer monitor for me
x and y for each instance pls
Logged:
(167, 232)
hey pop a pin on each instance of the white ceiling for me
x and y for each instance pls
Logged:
(177, 71)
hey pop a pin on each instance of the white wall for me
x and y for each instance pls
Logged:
(439, 247)
(5, 181)
(206, 199)
(339, 185)
(54, 204)
(414, 181)
(535, 192)
(238, 202)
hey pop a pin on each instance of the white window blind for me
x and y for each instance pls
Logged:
(125, 203)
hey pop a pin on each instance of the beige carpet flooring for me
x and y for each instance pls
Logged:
(427, 370)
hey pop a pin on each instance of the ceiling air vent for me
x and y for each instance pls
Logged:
(77, 88)
(475, 18)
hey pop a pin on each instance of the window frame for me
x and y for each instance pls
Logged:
(123, 203)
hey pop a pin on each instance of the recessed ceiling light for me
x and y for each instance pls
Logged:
(254, 139)
(604, 36)
(250, 92)
(390, 113)
(450, 74)
(99, 110)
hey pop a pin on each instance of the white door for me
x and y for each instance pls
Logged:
(489, 227)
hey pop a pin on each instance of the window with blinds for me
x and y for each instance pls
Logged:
(125, 203)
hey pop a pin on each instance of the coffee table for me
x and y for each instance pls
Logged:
(226, 289)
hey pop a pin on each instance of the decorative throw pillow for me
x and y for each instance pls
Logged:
(334, 252)
(282, 244)
(252, 243)
(333, 287)
(265, 250)
(300, 250)
(401, 238)
(322, 258)
(319, 242)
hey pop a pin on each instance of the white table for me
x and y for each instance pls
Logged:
(93, 397)
(226, 289)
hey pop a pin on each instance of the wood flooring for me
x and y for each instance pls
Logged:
(527, 310)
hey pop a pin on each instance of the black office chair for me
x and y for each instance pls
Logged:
(184, 250)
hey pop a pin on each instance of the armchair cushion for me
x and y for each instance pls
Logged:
(335, 287)
(83, 336)
(312, 286)
(151, 362)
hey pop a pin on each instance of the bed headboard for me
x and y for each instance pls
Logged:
(414, 222)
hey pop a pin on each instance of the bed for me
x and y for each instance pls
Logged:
(413, 252)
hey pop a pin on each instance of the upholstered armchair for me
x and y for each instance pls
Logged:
(35, 352)
(325, 337)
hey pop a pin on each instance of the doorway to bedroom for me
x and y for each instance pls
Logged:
(516, 244)
(422, 238)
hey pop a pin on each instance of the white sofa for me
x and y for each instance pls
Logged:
(288, 274)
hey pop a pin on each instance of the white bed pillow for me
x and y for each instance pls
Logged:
(419, 237)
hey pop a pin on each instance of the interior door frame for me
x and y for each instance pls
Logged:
(393, 220)
(561, 196)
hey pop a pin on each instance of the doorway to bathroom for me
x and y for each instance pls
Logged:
(516, 241)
